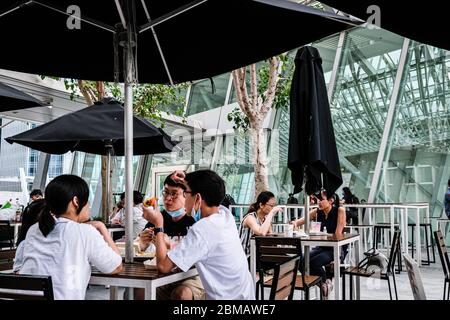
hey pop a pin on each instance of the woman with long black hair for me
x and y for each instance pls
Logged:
(332, 217)
(258, 220)
(64, 243)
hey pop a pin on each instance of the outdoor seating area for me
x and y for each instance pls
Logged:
(296, 166)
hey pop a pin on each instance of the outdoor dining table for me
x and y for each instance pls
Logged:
(329, 240)
(112, 228)
(134, 275)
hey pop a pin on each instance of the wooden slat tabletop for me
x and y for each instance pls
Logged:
(135, 270)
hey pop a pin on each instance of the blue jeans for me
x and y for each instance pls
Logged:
(318, 258)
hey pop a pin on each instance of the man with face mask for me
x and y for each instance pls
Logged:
(212, 244)
(176, 223)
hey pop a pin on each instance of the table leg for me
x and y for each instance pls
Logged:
(113, 293)
(392, 219)
(253, 259)
(306, 257)
(417, 235)
(337, 272)
(357, 257)
(150, 291)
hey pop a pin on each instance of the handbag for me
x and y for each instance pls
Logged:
(374, 261)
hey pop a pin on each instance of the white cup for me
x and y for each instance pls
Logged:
(289, 230)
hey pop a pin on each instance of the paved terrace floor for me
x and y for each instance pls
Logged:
(371, 289)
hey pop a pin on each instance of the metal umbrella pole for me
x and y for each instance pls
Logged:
(129, 77)
(109, 146)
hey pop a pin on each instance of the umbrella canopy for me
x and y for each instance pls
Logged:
(425, 22)
(186, 46)
(91, 130)
(312, 146)
(13, 99)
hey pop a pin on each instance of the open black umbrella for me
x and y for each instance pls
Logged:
(424, 22)
(13, 99)
(95, 129)
(312, 146)
(176, 41)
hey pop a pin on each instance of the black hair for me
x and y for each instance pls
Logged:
(208, 184)
(137, 197)
(169, 181)
(262, 198)
(30, 216)
(346, 190)
(335, 197)
(36, 192)
(58, 194)
(122, 196)
(448, 182)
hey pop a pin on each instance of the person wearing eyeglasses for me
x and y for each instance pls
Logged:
(176, 224)
(211, 245)
(258, 220)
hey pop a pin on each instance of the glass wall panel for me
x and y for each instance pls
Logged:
(206, 96)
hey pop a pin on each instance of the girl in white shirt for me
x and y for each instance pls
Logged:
(64, 243)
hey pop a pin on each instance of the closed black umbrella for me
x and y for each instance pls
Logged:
(425, 22)
(312, 146)
(13, 99)
(95, 129)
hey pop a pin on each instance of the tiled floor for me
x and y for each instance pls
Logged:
(371, 289)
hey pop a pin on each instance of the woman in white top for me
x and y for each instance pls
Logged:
(64, 243)
(258, 220)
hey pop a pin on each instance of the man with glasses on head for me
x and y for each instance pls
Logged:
(212, 244)
(175, 223)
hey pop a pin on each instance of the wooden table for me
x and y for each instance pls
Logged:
(134, 275)
(321, 241)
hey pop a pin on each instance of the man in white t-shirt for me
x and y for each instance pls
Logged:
(212, 244)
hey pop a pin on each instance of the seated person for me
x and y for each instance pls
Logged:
(258, 220)
(211, 244)
(36, 194)
(116, 218)
(176, 224)
(332, 217)
(138, 220)
(64, 243)
(29, 217)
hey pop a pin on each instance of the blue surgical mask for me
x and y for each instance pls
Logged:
(196, 214)
(176, 213)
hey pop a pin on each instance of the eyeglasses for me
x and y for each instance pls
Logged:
(271, 205)
(173, 195)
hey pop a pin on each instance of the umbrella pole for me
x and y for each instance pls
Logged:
(108, 182)
(129, 172)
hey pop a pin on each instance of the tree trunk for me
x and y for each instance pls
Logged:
(259, 148)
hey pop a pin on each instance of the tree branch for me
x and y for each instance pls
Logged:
(100, 89)
(84, 92)
(269, 95)
(241, 92)
(254, 86)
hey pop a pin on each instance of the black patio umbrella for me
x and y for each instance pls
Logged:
(312, 152)
(95, 129)
(176, 41)
(13, 99)
(425, 22)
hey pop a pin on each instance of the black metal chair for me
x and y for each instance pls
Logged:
(443, 255)
(6, 234)
(25, 287)
(359, 271)
(427, 227)
(7, 259)
(271, 251)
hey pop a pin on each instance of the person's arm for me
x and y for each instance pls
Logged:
(301, 221)
(341, 222)
(163, 262)
(264, 229)
(101, 257)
